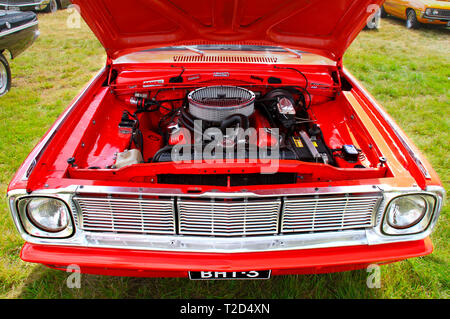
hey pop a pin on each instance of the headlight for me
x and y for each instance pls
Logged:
(432, 12)
(405, 212)
(409, 214)
(48, 214)
(48, 217)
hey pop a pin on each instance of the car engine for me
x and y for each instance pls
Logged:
(231, 117)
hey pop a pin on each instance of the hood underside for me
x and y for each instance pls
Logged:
(325, 27)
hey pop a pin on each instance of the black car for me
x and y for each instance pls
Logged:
(18, 30)
(34, 5)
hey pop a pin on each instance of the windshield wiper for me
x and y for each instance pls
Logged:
(293, 51)
(194, 50)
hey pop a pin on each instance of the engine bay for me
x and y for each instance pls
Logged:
(191, 118)
(228, 117)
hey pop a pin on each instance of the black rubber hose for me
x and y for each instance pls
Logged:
(187, 116)
(162, 150)
(187, 120)
(233, 119)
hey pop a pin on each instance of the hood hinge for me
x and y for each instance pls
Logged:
(339, 66)
(109, 70)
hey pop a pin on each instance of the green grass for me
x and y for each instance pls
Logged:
(407, 71)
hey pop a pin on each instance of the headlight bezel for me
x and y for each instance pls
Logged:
(29, 225)
(419, 226)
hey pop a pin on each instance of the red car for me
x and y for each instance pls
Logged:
(224, 139)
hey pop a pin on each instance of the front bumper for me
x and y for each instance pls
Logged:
(140, 263)
(36, 6)
(434, 19)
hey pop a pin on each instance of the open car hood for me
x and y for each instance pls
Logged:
(325, 27)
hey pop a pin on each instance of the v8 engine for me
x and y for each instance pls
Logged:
(230, 117)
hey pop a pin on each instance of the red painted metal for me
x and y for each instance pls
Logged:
(94, 119)
(91, 135)
(52, 169)
(89, 130)
(124, 262)
(326, 27)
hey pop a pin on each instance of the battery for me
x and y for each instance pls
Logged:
(310, 150)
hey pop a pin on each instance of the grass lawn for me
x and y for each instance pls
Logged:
(407, 71)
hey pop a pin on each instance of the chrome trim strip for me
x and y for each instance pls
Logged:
(392, 125)
(372, 236)
(229, 245)
(44, 143)
(19, 28)
(441, 18)
(243, 193)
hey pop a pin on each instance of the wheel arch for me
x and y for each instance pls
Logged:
(415, 24)
(408, 9)
(6, 52)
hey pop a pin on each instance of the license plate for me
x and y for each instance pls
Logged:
(222, 275)
(13, 8)
(448, 24)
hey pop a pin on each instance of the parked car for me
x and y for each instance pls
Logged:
(18, 31)
(34, 5)
(416, 12)
(223, 143)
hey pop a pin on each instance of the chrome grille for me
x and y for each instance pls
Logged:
(126, 215)
(313, 214)
(226, 218)
(442, 13)
(232, 218)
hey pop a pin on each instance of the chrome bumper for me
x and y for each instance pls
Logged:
(179, 243)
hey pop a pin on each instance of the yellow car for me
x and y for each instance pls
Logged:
(418, 11)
